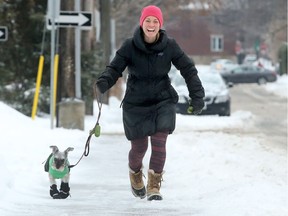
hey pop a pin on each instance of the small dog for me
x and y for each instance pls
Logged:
(57, 165)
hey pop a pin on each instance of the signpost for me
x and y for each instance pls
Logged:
(3, 33)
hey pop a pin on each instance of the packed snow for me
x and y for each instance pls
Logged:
(207, 172)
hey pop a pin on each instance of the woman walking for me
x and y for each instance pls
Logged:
(150, 100)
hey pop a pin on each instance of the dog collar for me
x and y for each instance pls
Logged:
(56, 173)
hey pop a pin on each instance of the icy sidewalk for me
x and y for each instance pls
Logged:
(208, 172)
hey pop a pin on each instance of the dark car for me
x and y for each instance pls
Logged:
(217, 98)
(249, 74)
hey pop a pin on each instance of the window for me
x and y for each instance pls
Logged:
(216, 43)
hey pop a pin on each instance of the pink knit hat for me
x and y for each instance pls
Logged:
(151, 10)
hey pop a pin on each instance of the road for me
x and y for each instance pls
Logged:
(269, 110)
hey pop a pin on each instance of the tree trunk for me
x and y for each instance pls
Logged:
(88, 40)
(105, 36)
(67, 54)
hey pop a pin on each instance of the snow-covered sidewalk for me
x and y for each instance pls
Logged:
(208, 172)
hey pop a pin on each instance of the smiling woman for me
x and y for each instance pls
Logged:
(151, 21)
(151, 27)
(149, 104)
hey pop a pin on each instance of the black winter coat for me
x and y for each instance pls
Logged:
(150, 100)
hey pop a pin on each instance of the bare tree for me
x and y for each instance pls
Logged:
(67, 62)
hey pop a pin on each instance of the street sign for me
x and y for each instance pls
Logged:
(72, 19)
(3, 33)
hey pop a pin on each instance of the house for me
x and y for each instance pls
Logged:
(201, 39)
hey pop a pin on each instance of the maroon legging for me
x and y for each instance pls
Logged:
(158, 155)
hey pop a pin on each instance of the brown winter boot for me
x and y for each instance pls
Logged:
(137, 184)
(153, 186)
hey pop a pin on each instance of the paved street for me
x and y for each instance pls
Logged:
(269, 110)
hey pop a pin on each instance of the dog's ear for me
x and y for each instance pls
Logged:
(54, 149)
(67, 150)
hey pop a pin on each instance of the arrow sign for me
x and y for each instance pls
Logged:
(3, 33)
(72, 19)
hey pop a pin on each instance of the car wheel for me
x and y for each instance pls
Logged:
(224, 114)
(262, 81)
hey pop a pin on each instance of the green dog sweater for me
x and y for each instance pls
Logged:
(55, 173)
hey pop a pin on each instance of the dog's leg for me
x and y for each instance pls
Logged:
(66, 178)
(64, 188)
(52, 180)
(54, 193)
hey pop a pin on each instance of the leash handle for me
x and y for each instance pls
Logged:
(96, 129)
(99, 103)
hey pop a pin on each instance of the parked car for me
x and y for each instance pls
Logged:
(217, 98)
(249, 74)
(222, 65)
